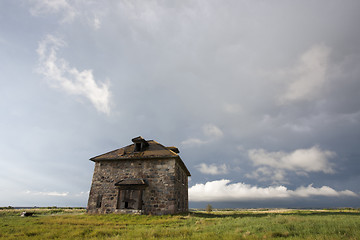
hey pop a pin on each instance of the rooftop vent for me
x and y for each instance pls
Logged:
(140, 144)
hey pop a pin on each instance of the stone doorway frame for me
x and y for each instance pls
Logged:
(130, 193)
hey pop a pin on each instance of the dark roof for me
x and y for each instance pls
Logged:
(154, 150)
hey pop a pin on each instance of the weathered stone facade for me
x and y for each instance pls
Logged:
(145, 178)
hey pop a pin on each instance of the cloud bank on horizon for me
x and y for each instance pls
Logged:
(224, 191)
(261, 98)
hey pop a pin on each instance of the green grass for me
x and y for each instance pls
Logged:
(240, 224)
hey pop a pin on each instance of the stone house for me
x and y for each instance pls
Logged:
(142, 178)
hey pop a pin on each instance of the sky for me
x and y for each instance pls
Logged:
(262, 98)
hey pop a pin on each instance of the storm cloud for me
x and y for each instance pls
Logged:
(261, 98)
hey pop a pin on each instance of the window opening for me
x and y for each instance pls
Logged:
(137, 147)
(140, 144)
(98, 201)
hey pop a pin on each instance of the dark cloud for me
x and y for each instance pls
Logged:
(215, 79)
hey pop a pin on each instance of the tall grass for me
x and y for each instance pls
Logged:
(75, 224)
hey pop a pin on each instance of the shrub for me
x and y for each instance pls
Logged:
(208, 208)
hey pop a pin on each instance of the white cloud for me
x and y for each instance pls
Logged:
(212, 169)
(264, 174)
(301, 160)
(297, 128)
(46, 7)
(323, 191)
(210, 131)
(82, 194)
(308, 76)
(193, 142)
(96, 23)
(232, 108)
(223, 190)
(69, 79)
(56, 194)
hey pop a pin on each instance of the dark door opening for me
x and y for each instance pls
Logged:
(129, 199)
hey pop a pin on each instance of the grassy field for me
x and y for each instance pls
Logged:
(60, 223)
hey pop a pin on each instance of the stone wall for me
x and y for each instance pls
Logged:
(165, 193)
(181, 189)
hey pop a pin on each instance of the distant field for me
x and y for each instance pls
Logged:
(60, 223)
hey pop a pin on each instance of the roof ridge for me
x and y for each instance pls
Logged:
(155, 150)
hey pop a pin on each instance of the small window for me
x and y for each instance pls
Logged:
(137, 147)
(98, 201)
